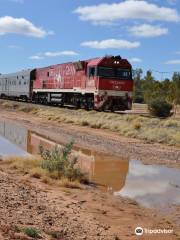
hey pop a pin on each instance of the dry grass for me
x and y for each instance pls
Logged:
(18, 106)
(130, 125)
(68, 184)
(32, 166)
(24, 164)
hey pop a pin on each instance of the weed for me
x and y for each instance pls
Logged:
(32, 232)
(69, 184)
(137, 126)
(60, 163)
(56, 234)
(37, 172)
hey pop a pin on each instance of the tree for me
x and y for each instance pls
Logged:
(138, 92)
(176, 87)
(149, 86)
(176, 90)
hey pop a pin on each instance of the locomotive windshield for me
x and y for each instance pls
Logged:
(114, 73)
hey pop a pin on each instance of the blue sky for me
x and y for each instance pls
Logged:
(37, 33)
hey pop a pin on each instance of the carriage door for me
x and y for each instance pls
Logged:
(6, 86)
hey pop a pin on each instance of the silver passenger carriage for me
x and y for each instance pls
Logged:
(17, 84)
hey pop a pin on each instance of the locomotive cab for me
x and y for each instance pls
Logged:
(112, 78)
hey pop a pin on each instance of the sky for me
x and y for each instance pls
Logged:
(37, 33)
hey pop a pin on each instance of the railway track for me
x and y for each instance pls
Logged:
(137, 108)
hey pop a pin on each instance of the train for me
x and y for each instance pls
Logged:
(103, 83)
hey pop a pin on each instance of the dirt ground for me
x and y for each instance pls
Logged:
(81, 214)
(75, 213)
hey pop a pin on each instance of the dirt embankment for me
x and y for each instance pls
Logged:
(145, 128)
(72, 213)
(97, 139)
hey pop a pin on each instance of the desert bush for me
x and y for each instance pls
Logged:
(160, 108)
(171, 123)
(60, 161)
(137, 126)
(84, 123)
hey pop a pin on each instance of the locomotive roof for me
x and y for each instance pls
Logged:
(95, 61)
(92, 61)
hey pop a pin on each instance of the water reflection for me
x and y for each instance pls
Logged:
(9, 149)
(149, 185)
(106, 170)
(17, 137)
(152, 186)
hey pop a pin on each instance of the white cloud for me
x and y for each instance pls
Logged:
(63, 53)
(36, 57)
(21, 26)
(173, 62)
(147, 30)
(40, 56)
(135, 60)
(129, 9)
(111, 43)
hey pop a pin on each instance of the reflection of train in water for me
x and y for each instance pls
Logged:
(106, 170)
(14, 134)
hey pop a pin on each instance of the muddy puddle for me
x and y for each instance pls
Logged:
(152, 186)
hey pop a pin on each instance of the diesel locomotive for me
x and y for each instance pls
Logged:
(103, 83)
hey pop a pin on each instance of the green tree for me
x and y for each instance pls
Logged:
(138, 92)
(149, 86)
(176, 87)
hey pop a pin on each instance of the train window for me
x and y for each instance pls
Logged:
(123, 73)
(92, 71)
(114, 73)
(106, 72)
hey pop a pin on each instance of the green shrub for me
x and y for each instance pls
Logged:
(32, 232)
(160, 108)
(60, 160)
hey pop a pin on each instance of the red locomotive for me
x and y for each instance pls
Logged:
(103, 83)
